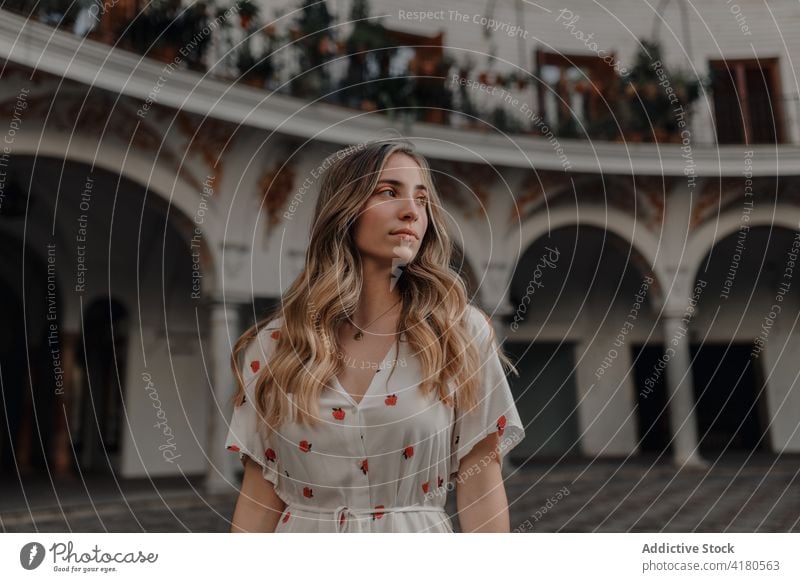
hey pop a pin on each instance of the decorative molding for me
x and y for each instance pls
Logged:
(652, 192)
(721, 194)
(275, 185)
(479, 178)
(209, 138)
(102, 117)
(538, 186)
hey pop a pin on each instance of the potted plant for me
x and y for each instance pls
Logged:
(255, 69)
(313, 38)
(650, 112)
(193, 40)
(366, 85)
(433, 95)
(154, 31)
(247, 13)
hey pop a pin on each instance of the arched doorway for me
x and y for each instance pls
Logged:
(745, 343)
(571, 291)
(124, 276)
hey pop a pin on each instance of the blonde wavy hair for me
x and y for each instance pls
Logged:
(326, 293)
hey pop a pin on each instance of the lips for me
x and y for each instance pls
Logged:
(406, 232)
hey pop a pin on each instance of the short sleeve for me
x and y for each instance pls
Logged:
(247, 433)
(495, 410)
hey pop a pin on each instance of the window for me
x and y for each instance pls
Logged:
(747, 107)
(576, 94)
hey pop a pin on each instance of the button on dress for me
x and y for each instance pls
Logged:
(384, 464)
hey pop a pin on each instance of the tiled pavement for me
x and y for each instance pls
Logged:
(761, 494)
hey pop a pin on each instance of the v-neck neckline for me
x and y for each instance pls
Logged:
(397, 343)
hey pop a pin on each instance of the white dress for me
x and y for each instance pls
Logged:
(385, 464)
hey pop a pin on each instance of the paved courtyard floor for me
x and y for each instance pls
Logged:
(736, 494)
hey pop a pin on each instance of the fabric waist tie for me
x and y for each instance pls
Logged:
(342, 515)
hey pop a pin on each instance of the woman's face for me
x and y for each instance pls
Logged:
(399, 202)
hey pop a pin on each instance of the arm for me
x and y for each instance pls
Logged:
(258, 507)
(480, 494)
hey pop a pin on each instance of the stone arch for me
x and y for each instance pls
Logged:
(132, 166)
(707, 236)
(614, 221)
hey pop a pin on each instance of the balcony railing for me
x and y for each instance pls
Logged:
(373, 68)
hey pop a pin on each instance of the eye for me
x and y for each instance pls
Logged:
(422, 200)
(387, 190)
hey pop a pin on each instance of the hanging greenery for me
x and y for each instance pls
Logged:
(315, 46)
(165, 27)
(255, 66)
(463, 99)
(247, 12)
(433, 96)
(366, 84)
(655, 96)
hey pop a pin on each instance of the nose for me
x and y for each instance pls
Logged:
(408, 209)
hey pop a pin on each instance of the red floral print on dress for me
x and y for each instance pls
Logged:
(408, 452)
(305, 446)
(391, 400)
(378, 514)
(307, 492)
(233, 448)
(255, 365)
(270, 455)
(276, 334)
(425, 486)
(286, 517)
(501, 425)
(439, 482)
(364, 466)
(338, 414)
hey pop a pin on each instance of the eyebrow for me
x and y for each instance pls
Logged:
(399, 183)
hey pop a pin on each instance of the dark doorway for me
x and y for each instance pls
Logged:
(546, 398)
(27, 377)
(14, 385)
(651, 396)
(102, 363)
(729, 411)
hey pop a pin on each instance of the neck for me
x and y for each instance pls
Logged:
(377, 296)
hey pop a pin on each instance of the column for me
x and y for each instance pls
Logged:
(62, 460)
(679, 383)
(225, 329)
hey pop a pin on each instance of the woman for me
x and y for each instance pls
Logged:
(347, 417)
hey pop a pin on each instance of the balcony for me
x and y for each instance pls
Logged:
(309, 80)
